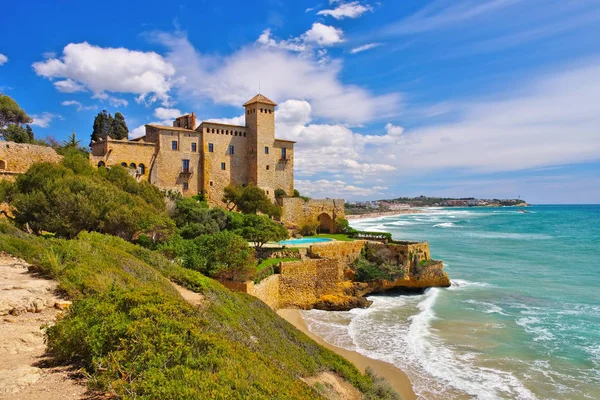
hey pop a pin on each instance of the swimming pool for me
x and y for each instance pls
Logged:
(305, 241)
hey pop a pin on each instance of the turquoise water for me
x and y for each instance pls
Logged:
(521, 320)
(305, 241)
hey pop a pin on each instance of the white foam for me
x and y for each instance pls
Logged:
(456, 284)
(539, 333)
(488, 308)
(447, 225)
(507, 235)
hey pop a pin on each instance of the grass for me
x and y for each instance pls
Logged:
(337, 236)
(271, 262)
(137, 338)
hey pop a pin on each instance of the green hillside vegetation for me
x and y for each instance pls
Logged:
(128, 327)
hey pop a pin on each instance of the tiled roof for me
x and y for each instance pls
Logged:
(259, 98)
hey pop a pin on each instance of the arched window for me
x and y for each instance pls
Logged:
(142, 169)
(2, 164)
(101, 164)
(124, 164)
(213, 130)
(132, 166)
(261, 110)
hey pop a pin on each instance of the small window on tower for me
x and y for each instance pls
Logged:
(174, 145)
(193, 147)
(244, 134)
(283, 153)
(211, 147)
(186, 186)
(267, 167)
(266, 150)
(231, 150)
(211, 183)
(223, 166)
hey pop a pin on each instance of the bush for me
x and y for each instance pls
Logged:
(296, 193)
(341, 225)
(249, 199)
(280, 193)
(194, 218)
(367, 271)
(309, 228)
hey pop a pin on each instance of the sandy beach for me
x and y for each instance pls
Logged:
(384, 213)
(396, 377)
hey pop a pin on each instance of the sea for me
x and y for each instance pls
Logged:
(520, 321)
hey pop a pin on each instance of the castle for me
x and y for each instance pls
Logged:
(208, 158)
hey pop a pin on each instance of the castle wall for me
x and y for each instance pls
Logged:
(260, 120)
(268, 291)
(215, 179)
(167, 170)
(283, 169)
(115, 152)
(297, 211)
(16, 158)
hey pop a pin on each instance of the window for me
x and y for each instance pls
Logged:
(267, 167)
(266, 150)
(270, 111)
(231, 151)
(193, 147)
(284, 153)
(174, 145)
(244, 134)
(124, 164)
(211, 148)
(223, 166)
(211, 183)
(267, 192)
(142, 169)
(100, 164)
(132, 166)
(185, 166)
(261, 110)
(186, 186)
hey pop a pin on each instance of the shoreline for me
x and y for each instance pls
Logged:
(392, 374)
(377, 214)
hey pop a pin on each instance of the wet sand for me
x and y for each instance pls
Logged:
(396, 377)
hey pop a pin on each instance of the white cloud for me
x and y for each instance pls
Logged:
(323, 35)
(116, 70)
(78, 105)
(440, 14)
(69, 86)
(3, 59)
(335, 188)
(365, 47)
(346, 10)
(43, 120)
(113, 101)
(167, 113)
(239, 121)
(294, 44)
(282, 75)
(394, 130)
(49, 54)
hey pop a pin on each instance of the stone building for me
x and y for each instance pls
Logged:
(16, 158)
(207, 158)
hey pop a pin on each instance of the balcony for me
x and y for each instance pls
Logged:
(285, 159)
(186, 171)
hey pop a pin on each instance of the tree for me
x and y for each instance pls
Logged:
(72, 141)
(12, 118)
(119, 128)
(227, 256)
(280, 193)
(260, 229)
(102, 126)
(18, 134)
(194, 218)
(11, 113)
(296, 193)
(249, 200)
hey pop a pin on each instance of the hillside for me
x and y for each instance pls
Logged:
(131, 330)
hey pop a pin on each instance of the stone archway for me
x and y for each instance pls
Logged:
(326, 224)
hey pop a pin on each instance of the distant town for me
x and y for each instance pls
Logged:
(403, 203)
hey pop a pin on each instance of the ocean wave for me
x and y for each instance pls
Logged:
(488, 308)
(503, 235)
(456, 284)
(447, 225)
(456, 371)
(530, 325)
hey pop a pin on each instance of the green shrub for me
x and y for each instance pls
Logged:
(367, 271)
(309, 228)
(341, 225)
(280, 193)
(261, 229)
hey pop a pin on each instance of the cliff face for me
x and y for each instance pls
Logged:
(351, 294)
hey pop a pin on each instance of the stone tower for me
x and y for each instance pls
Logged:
(260, 122)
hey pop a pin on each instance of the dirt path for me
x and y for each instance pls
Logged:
(27, 303)
(193, 298)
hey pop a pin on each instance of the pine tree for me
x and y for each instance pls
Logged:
(119, 128)
(102, 125)
(29, 133)
(72, 141)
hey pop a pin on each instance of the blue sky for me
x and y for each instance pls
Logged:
(495, 98)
